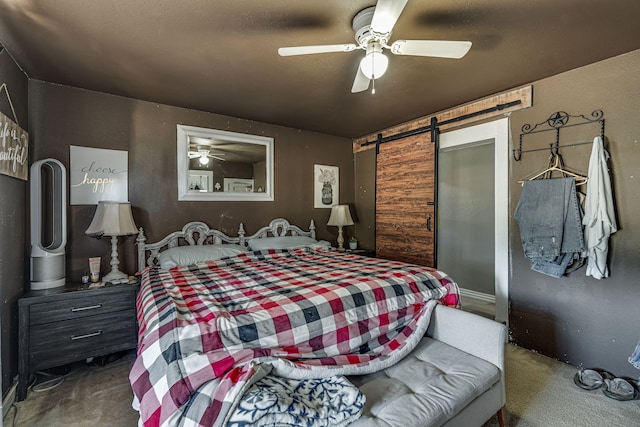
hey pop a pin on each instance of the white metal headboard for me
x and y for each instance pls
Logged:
(277, 228)
(199, 233)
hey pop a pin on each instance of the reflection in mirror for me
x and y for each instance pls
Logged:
(221, 165)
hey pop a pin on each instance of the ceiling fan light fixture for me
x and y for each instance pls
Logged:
(204, 157)
(375, 63)
(372, 27)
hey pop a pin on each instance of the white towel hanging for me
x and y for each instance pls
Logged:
(599, 214)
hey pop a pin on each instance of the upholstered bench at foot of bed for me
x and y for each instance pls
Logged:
(438, 384)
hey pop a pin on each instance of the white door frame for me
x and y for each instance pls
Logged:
(498, 130)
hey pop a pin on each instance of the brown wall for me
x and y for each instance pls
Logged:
(63, 116)
(13, 225)
(365, 203)
(576, 319)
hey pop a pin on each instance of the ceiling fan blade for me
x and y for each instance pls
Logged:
(361, 82)
(306, 50)
(386, 14)
(193, 155)
(435, 48)
(217, 158)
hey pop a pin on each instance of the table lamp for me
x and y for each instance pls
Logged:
(113, 219)
(340, 216)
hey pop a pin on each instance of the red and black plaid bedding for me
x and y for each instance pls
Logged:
(207, 330)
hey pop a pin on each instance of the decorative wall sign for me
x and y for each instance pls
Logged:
(326, 186)
(98, 174)
(14, 149)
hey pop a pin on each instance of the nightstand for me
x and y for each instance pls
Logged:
(364, 252)
(71, 323)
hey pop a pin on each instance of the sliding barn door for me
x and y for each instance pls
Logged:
(405, 211)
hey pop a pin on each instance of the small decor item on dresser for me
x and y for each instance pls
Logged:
(353, 243)
(94, 269)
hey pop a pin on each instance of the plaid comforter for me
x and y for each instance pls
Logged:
(208, 331)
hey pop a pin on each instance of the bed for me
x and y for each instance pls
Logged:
(264, 329)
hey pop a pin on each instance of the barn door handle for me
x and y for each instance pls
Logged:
(430, 203)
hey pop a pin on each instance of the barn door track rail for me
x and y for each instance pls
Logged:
(435, 124)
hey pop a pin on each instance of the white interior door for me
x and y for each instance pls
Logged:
(466, 212)
(473, 210)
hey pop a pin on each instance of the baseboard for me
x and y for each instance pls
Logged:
(9, 399)
(477, 295)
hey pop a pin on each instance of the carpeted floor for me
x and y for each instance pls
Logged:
(94, 396)
(540, 392)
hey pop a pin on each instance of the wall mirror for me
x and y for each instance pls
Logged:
(220, 165)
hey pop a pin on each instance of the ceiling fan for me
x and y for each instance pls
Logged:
(204, 154)
(372, 28)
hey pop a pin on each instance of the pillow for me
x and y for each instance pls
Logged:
(193, 254)
(285, 242)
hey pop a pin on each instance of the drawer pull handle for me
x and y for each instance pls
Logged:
(90, 307)
(81, 337)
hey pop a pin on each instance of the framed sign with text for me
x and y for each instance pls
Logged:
(14, 149)
(97, 174)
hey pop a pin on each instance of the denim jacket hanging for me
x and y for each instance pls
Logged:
(550, 222)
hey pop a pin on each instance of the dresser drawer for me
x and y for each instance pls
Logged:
(77, 339)
(86, 306)
(71, 323)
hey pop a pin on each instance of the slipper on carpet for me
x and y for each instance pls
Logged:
(619, 389)
(588, 379)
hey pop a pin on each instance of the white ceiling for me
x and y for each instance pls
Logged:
(221, 56)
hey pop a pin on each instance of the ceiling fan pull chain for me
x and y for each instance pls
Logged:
(373, 87)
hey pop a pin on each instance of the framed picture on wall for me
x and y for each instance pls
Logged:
(98, 174)
(238, 185)
(200, 180)
(326, 186)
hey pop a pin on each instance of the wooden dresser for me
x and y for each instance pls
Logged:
(72, 323)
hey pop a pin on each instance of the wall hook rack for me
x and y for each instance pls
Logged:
(555, 123)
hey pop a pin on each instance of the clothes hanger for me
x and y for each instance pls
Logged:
(556, 164)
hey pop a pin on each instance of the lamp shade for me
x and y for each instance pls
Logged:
(112, 219)
(340, 215)
(374, 65)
